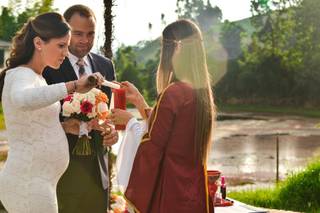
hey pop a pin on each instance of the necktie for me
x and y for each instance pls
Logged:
(80, 64)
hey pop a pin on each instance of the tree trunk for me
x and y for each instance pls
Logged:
(107, 50)
(108, 28)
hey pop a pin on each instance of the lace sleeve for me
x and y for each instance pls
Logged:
(25, 95)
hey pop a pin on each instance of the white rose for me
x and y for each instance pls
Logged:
(95, 91)
(121, 201)
(76, 106)
(114, 206)
(67, 109)
(92, 114)
(91, 98)
(102, 107)
(78, 96)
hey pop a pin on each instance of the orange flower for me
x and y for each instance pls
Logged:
(102, 110)
(101, 97)
(103, 116)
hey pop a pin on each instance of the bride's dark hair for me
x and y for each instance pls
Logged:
(46, 26)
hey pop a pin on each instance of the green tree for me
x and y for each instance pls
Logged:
(127, 66)
(201, 12)
(209, 16)
(268, 66)
(8, 24)
(12, 17)
(108, 17)
(107, 50)
(230, 38)
(307, 77)
(149, 79)
(141, 75)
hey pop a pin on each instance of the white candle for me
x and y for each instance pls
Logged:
(110, 84)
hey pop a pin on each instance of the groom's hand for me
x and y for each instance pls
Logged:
(94, 125)
(71, 126)
(110, 136)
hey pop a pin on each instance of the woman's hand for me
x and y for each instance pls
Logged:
(132, 94)
(71, 126)
(120, 117)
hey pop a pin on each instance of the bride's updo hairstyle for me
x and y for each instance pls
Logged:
(46, 26)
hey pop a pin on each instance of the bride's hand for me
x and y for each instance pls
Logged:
(71, 126)
(86, 83)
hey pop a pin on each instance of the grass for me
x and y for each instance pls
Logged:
(315, 113)
(299, 192)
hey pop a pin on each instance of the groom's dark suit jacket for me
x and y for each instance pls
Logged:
(80, 188)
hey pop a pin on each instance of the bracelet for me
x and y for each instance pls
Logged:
(75, 86)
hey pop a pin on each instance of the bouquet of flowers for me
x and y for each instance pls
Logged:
(85, 107)
(119, 205)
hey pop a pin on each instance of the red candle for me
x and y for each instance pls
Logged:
(119, 103)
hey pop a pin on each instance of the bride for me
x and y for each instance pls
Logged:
(38, 153)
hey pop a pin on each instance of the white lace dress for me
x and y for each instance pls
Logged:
(38, 149)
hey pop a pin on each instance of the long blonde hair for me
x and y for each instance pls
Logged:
(183, 57)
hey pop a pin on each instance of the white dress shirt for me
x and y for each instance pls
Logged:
(87, 65)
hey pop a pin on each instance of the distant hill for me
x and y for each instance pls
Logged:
(146, 50)
(246, 25)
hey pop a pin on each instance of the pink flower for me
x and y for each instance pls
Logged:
(86, 107)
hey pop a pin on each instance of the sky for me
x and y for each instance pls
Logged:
(133, 16)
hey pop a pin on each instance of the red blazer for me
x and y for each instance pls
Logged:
(165, 177)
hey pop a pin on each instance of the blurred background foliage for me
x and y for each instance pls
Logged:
(271, 58)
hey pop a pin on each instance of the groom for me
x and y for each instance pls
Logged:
(83, 187)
